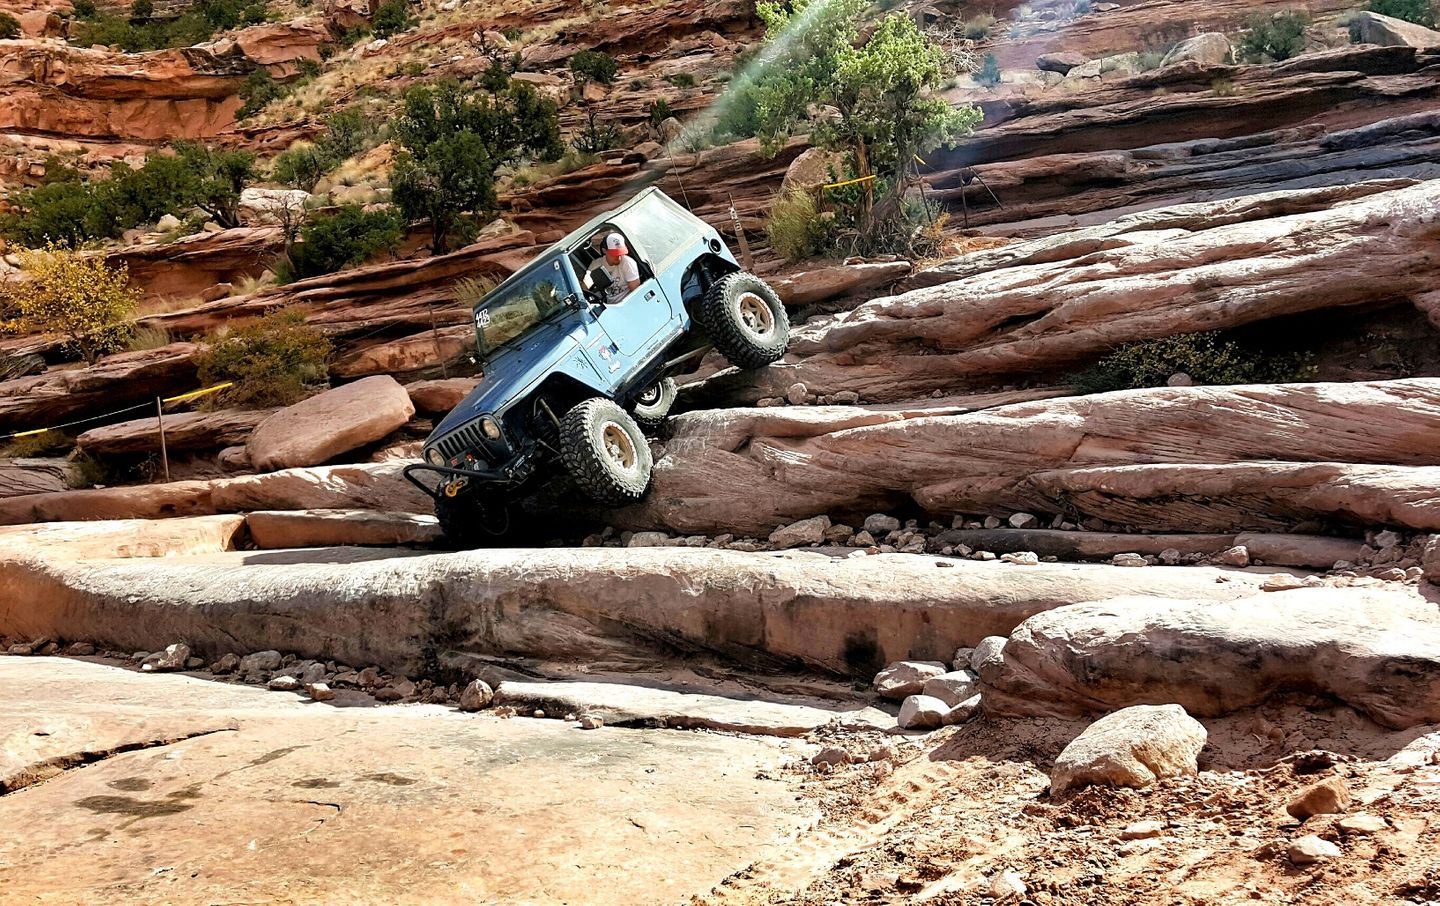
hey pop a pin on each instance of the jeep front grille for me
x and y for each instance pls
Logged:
(465, 439)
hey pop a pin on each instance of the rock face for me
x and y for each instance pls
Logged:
(1374, 28)
(331, 423)
(1376, 650)
(1051, 304)
(35, 476)
(116, 381)
(275, 530)
(1220, 459)
(1132, 747)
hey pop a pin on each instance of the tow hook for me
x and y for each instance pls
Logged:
(454, 487)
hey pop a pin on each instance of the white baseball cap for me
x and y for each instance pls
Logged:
(615, 242)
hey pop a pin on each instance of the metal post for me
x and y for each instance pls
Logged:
(740, 236)
(160, 420)
(435, 339)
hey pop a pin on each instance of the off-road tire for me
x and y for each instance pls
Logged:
(746, 320)
(653, 404)
(605, 452)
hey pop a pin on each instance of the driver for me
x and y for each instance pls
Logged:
(617, 264)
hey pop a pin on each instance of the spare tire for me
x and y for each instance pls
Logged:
(605, 452)
(746, 320)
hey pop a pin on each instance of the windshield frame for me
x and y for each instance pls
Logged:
(505, 291)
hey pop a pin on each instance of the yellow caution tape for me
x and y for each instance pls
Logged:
(31, 433)
(195, 394)
(921, 161)
(850, 182)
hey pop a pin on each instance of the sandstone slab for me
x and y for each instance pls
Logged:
(439, 396)
(35, 476)
(183, 431)
(278, 529)
(331, 423)
(1374, 28)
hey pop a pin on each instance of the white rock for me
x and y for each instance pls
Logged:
(921, 712)
(988, 653)
(172, 658)
(795, 394)
(1021, 558)
(319, 692)
(1210, 48)
(951, 688)
(283, 683)
(260, 662)
(1132, 747)
(904, 678)
(1008, 884)
(1282, 582)
(591, 722)
(880, 525)
(1238, 555)
(1311, 849)
(1023, 520)
(962, 712)
(1143, 830)
(648, 539)
(1130, 559)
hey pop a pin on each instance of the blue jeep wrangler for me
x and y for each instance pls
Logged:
(571, 380)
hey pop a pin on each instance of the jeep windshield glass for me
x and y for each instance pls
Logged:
(513, 310)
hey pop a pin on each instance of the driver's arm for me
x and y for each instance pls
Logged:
(632, 274)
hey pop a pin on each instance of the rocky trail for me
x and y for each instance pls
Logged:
(935, 609)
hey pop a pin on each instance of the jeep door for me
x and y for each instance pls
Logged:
(645, 320)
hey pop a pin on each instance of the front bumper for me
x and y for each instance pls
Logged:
(451, 481)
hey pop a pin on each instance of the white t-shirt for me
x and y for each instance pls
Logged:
(620, 274)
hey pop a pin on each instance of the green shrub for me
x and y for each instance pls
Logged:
(681, 80)
(594, 66)
(1421, 12)
(139, 33)
(85, 9)
(391, 18)
(258, 90)
(1208, 358)
(596, 137)
(796, 228)
(141, 10)
(660, 111)
(977, 28)
(989, 72)
(301, 167)
(351, 235)
(274, 360)
(1272, 38)
(9, 27)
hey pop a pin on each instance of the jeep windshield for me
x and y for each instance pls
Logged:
(518, 305)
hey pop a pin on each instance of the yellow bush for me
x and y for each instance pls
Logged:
(75, 295)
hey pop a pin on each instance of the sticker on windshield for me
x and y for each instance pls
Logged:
(482, 318)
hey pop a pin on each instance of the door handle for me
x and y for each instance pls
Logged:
(650, 295)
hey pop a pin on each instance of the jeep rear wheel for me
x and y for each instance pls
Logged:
(746, 320)
(605, 452)
(653, 404)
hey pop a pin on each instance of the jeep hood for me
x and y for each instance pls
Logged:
(509, 375)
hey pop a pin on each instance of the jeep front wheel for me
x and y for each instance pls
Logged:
(653, 404)
(605, 452)
(746, 320)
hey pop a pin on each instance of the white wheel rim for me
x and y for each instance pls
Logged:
(756, 315)
(619, 446)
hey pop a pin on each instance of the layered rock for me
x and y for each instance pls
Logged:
(1378, 651)
(1187, 459)
(1046, 305)
(35, 476)
(318, 429)
(183, 431)
(130, 378)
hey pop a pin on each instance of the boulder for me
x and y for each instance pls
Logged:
(921, 712)
(331, 423)
(184, 431)
(438, 397)
(952, 688)
(271, 207)
(116, 381)
(476, 696)
(814, 167)
(906, 678)
(1310, 849)
(172, 658)
(417, 352)
(988, 656)
(1132, 747)
(1328, 797)
(825, 283)
(1059, 62)
(1209, 49)
(1376, 649)
(796, 534)
(280, 529)
(1116, 65)
(1373, 28)
(961, 711)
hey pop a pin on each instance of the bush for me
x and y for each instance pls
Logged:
(258, 90)
(351, 235)
(141, 10)
(1421, 12)
(989, 72)
(1208, 358)
(273, 360)
(977, 28)
(138, 33)
(77, 296)
(590, 65)
(1272, 38)
(85, 9)
(9, 27)
(391, 18)
(660, 111)
(596, 137)
(301, 167)
(796, 228)
(681, 80)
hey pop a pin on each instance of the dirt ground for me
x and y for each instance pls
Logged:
(968, 805)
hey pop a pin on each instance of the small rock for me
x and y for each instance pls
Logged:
(984, 555)
(951, 688)
(1131, 747)
(992, 522)
(846, 398)
(1021, 558)
(476, 696)
(260, 661)
(795, 394)
(988, 654)
(283, 683)
(1170, 556)
(882, 753)
(319, 692)
(1023, 520)
(1311, 849)
(388, 694)
(1128, 560)
(1282, 582)
(172, 658)
(906, 678)
(194, 663)
(1008, 884)
(1179, 379)
(831, 755)
(1385, 539)
(1361, 825)
(313, 672)
(1238, 555)
(839, 534)
(796, 534)
(961, 712)
(1143, 830)
(368, 678)
(647, 539)
(921, 712)
(962, 657)
(1328, 797)
(879, 524)
(591, 722)
(80, 649)
(228, 663)
(20, 649)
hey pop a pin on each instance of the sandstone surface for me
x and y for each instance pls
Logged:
(328, 424)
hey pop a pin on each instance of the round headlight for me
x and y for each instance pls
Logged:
(434, 457)
(490, 428)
